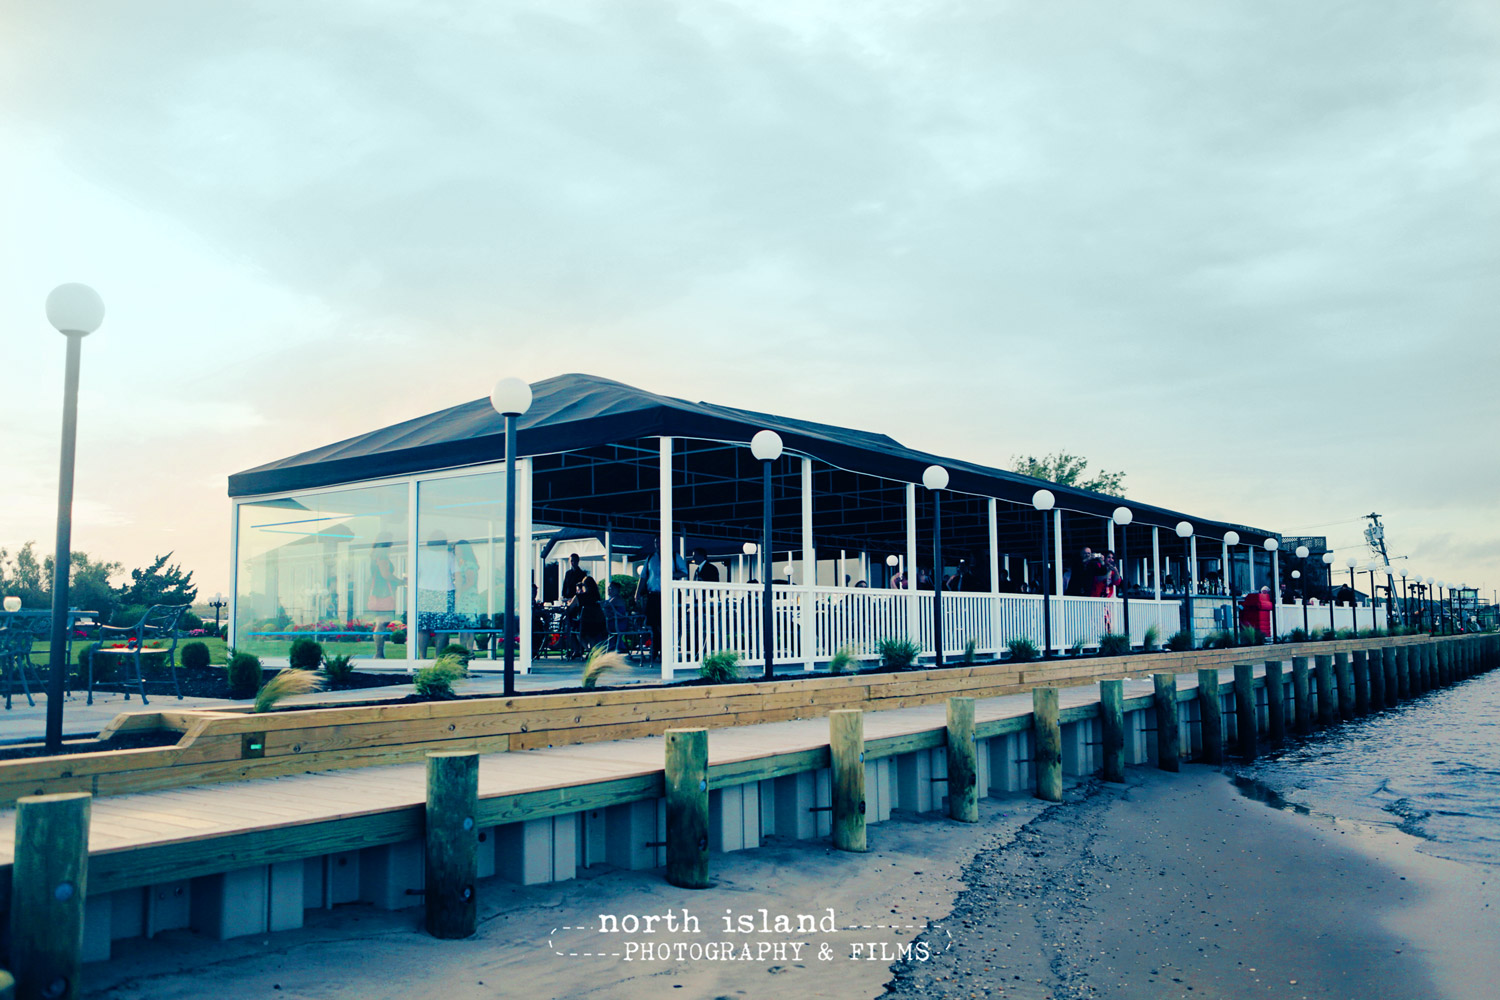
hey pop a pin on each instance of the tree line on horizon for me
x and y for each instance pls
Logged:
(25, 576)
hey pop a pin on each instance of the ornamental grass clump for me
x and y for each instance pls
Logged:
(1181, 641)
(897, 654)
(463, 653)
(283, 685)
(338, 670)
(720, 667)
(1114, 644)
(1151, 641)
(305, 654)
(844, 661)
(1076, 649)
(599, 661)
(243, 674)
(971, 651)
(435, 681)
(1022, 650)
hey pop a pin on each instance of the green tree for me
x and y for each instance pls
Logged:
(21, 576)
(1069, 470)
(159, 583)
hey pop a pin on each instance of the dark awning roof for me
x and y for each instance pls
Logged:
(573, 412)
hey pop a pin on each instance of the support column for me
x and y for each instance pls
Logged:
(1327, 707)
(665, 551)
(809, 572)
(49, 882)
(963, 766)
(1112, 729)
(1156, 560)
(1057, 565)
(1192, 567)
(1345, 677)
(1301, 696)
(1275, 702)
(1377, 679)
(1392, 676)
(913, 604)
(1246, 717)
(1361, 669)
(1211, 715)
(1275, 592)
(991, 509)
(1403, 672)
(687, 806)
(1168, 734)
(452, 843)
(846, 747)
(524, 494)
(1046, 744)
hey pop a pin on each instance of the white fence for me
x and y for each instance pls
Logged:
(707, 617)
(1289, 616)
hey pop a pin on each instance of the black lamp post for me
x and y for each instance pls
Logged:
(1328, 562)
(1184, 531)
(510, 398)
(1405, 600)
(766, 447)
(1351, 562)
(218, 604)
(75, 311)
(1231, 539)
(1271, 545)
(1370, 568)
(935, 478)
(1122, 517)
(1043, 501)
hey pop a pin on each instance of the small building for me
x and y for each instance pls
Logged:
(401, 530)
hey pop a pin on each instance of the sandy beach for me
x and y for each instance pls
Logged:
(1167, 886)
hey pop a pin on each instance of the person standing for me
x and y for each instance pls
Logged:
(381, 602)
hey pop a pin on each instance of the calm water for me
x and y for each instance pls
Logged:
(1430, 767)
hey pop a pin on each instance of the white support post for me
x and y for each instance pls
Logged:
(609, 558)
(1156, 560)
(665, 550)
(412, 645)
(1224, 566)
(809, 571)
(1193, 564)
(234, 569)
(1250, 559)
(1057, 561)
(913, 606)
(991, 509)
(1109, 535)
(523, 582)
(1276, 580)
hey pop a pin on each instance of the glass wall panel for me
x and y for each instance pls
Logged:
(331, 566)
(460, 581)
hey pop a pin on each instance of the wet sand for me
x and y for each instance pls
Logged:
(1179, 886)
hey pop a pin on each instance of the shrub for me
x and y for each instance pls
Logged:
(338, 669)
(1251, 636)
(597, 662)
(971, 653)
(244, 675)
(628, 585)
(844, 661)
(1181, 641)
(1218, 639)
(128, 614)
(195, 656)
(1297, 635)
(1372, 633)
(286, 682)
(1022, 650)
(897, 654)
(104, 666)
(305, 654)
(1076, 649)
(188, 622)
(1152, 639)
(1346, 633)
(454, 649)
(720, 667)
(1328, 635)
(1114, 644)
(436, 680)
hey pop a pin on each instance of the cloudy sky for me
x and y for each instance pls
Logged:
(1245, 251)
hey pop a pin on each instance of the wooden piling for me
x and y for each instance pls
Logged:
(1046, 749)
(1403, 672)
(1275, 702)
(846, 746)
(1445, 676)
(49, 881)
(452, 843)
(687, 808)
(1361, 670)
(1168, 733)
(1246, 717)
(1301, 695)
(1345, 676)
(1112, 729)
(1429, 661)
(1327, 705)
(1392, 676)
(1418, 668)
(1210, 715)
(1377, 679)
(963, 767)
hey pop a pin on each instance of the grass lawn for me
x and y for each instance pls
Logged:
(217, 649)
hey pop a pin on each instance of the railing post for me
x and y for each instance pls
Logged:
(846, 745)
(1168, 734)
(1046, 750)
(452, 843)
(49, 880)
(963, 769)
(1246, 717)
(687, 808)
(1112, 729)
(1211, 715)
(1275, 702)
(1301, 695)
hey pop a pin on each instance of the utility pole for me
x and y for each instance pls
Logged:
(1375, 536)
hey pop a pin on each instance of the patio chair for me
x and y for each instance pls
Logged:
(551, 638)
(158, 624)
(15, 657)
(627, 633)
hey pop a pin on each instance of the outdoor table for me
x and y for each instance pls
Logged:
(40, 624)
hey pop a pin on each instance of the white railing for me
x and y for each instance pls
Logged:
(1289, 616)
(707, 617)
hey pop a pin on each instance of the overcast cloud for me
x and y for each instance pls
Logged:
(1245, 251)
